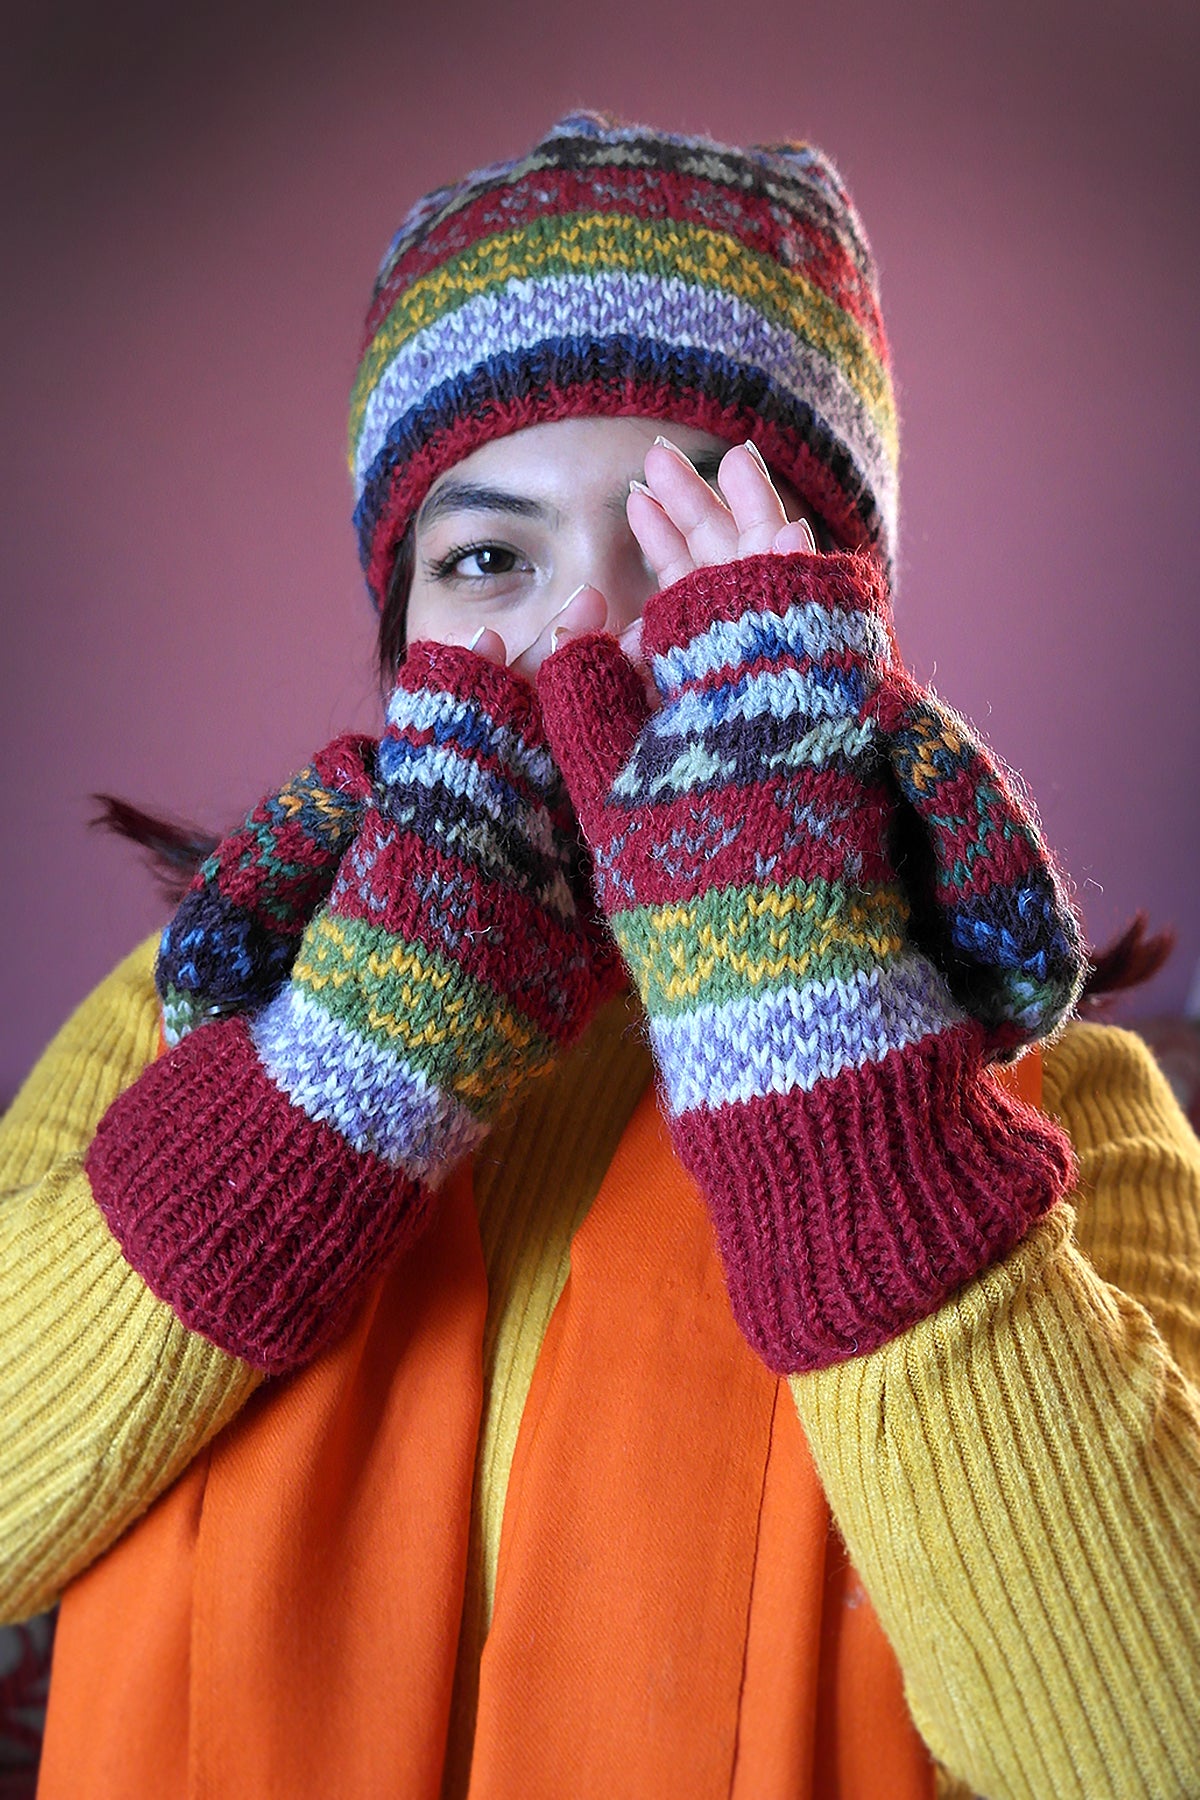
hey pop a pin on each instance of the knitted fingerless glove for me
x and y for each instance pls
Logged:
(272, 1163)
(822, 1082)
(235, 932)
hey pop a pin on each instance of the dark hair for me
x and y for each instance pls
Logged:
(176, 850)
(392, 639)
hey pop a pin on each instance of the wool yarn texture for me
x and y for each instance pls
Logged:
(616, 270)
(820, 1079)
(231, 941)
(274, 1161)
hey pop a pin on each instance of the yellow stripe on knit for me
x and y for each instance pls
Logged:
(584, 243)
(682, 937)
(1018, 1478)
(105, 1396)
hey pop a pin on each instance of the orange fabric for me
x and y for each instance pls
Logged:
(675, 1614)
(308, 1574)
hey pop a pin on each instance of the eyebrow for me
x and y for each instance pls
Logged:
(470, 496)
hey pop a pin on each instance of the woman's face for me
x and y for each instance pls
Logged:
(505, 537)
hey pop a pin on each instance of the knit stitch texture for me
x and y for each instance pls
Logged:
(260, 1174)
(821, 1080)
(231, 942)
(615, 270)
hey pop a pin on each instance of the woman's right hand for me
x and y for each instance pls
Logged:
(274, 1162)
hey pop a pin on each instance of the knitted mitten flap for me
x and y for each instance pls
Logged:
(233, 936)
(989, 905)
(260, 1173)
(820, 1079)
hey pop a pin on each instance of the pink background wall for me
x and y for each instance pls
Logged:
(192, 225)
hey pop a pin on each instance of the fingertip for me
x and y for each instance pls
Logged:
(795, 537)
(490, 645)
(630, 639)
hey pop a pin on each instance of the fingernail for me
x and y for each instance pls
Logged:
(558, 634)
(477, 637)
(562, 609)
(808, 532)
(756, 453)
(674, 449)
(639, 487)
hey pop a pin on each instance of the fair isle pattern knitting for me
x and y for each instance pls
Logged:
(415, 957)
(231, 941)
(619, 271)
(822, 1081)
(1001, 925)
(456, 954)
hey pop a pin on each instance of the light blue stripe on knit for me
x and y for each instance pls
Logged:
(790, 1038)
(609, 303)
(777, 693)
(804, 630)
(380, 1103)
(404, 765)
(469, 723)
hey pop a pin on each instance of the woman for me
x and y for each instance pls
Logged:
(485, 1449)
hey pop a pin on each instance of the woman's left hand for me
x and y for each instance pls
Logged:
(821, 1082)
(681, 525)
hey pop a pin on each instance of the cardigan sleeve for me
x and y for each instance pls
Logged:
(105, 1397)
(1017, 1478)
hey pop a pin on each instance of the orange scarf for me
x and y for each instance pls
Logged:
(675, 1613)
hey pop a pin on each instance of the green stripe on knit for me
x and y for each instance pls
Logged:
(407, 1000)
(667, 250)
(734, 942)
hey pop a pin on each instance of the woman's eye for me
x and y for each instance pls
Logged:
(490, 559)
(474, 562)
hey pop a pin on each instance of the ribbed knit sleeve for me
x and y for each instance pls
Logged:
(1017, 1478)
(104, 1396)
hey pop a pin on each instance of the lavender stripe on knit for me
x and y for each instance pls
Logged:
(379, 1102)
(787, 1040)
(804, 630)
(468, 725)
(667, 310)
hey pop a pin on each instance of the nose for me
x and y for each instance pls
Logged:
(615, 564)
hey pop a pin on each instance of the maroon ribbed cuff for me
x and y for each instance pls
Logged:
(847, 1214)
(259, 1226)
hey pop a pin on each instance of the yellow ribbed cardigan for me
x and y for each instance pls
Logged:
(1017, 1478)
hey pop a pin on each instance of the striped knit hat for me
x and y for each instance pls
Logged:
(615, 270)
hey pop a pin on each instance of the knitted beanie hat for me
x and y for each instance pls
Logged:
(620, 271)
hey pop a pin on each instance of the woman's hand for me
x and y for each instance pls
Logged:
(681, 525)
(821, 1081)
